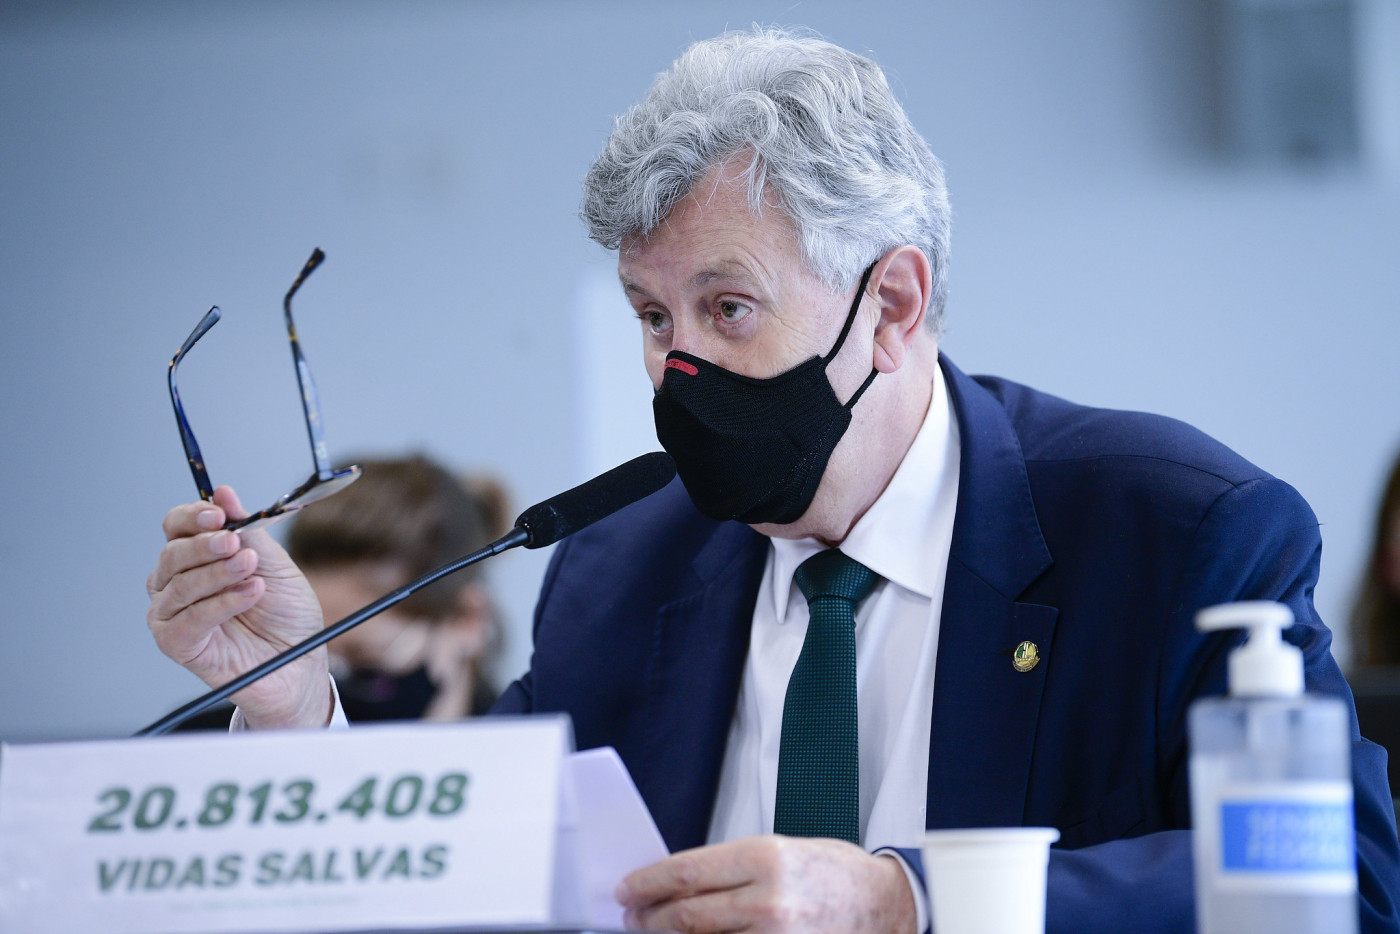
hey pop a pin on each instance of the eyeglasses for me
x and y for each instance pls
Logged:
(325, 481)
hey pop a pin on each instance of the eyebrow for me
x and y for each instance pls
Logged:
(724, 271)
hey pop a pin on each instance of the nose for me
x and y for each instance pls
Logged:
(697, 336)
(685, 336)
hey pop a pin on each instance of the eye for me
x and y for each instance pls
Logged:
(654, 321)
(732, 311)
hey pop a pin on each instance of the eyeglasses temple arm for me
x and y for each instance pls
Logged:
(310, 401)
(192, 455)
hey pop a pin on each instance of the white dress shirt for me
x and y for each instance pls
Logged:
(905, 538)
(338, 719)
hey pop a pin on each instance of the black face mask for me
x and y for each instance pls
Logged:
(753, 449)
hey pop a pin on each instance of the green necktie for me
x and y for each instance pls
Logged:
(818, 756)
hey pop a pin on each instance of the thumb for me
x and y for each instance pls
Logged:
(227, 500)
(257, 539)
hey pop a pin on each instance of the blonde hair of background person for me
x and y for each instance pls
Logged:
(403, 518)
(1375, 618)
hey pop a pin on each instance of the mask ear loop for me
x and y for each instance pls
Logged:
(851, 316)
(846, 329)
(863, 387)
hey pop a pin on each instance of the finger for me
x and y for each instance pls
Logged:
(185, 635)
(190, 587)
(191, 519)
(181, 555)
(709, 913)
(690, 872)
(257, 538)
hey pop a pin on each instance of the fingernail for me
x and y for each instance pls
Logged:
(223, 543)
(241, 562)
(622, 893)
(208, 519)
(245, 587)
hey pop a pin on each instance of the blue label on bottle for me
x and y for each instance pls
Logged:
(1281, 836)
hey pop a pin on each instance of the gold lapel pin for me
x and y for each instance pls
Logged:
(1026, 656)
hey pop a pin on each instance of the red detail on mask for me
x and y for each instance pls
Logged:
(686, 368)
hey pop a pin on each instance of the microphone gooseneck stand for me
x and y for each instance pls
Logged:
(540, 525)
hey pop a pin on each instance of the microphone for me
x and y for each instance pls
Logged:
(542, 524)
(605, 494)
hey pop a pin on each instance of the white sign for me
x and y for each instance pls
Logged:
(413, 826)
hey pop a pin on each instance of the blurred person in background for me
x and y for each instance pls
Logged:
(1375, 631)
(424, 658)
(1375, 619)
(427, 657)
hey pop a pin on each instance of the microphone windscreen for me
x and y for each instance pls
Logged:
(605, 494)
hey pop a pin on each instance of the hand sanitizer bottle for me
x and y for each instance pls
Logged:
(1271, 792)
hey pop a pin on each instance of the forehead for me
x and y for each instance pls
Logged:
(712, 234)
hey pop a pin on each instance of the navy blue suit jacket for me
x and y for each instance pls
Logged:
(1096, 535)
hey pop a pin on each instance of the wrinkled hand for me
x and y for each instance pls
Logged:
(222, 603)
(770, 883)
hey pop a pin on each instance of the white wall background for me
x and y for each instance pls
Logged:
(159, 158)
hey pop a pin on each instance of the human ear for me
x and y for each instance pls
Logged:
(903, 281)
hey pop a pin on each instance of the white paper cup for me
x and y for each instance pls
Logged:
(988, 880)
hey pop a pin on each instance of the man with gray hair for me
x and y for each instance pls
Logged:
(885, 596)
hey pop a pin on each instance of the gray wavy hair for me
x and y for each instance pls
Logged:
(820, 129)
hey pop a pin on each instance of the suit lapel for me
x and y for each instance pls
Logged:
(700, 642)
(985, 710)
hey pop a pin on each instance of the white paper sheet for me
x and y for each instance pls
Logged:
(615, 833)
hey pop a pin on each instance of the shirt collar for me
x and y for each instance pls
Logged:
(897, 538)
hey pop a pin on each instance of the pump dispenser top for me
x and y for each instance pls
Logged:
(1265, 666)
